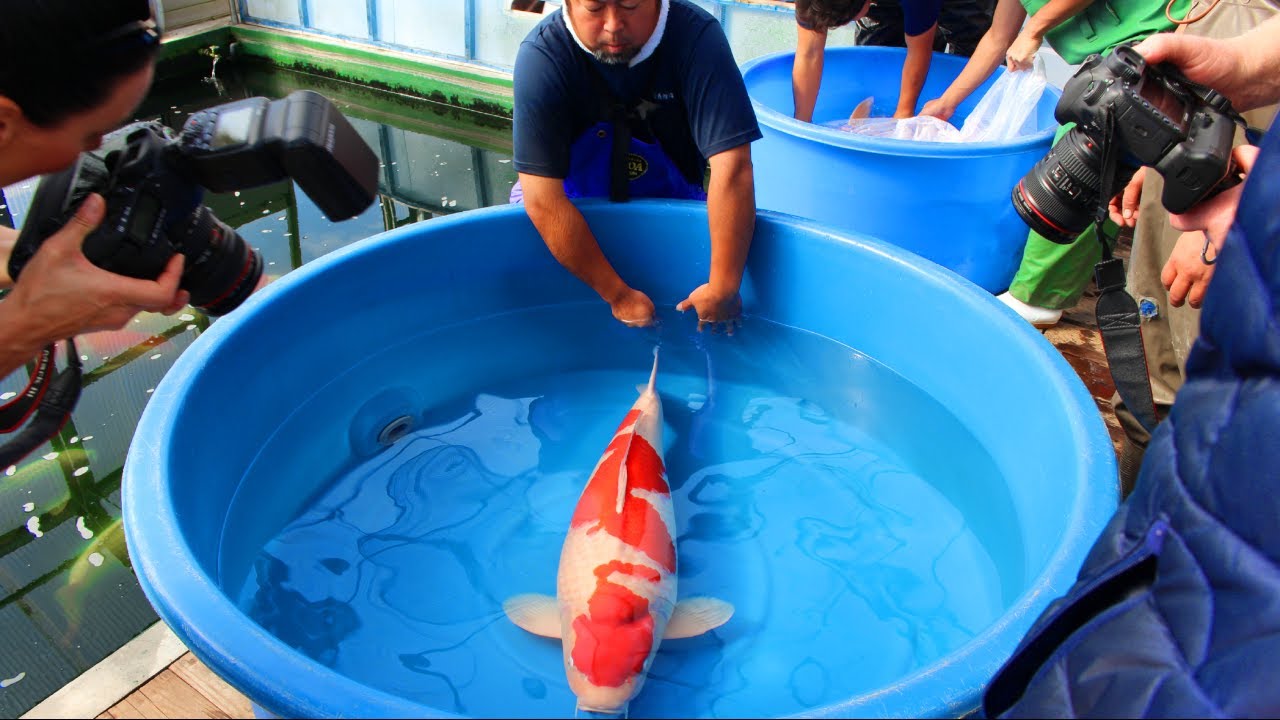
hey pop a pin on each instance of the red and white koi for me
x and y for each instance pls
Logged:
(616, 589)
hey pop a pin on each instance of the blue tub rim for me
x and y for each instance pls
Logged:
(155, 539)
(821, 134)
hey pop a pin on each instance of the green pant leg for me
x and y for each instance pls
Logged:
(1054, 276)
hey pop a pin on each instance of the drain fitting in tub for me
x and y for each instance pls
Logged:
(395, 430)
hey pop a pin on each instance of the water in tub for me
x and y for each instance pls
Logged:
(859, 530)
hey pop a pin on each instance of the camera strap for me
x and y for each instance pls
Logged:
(47, 401)
(1116, 311)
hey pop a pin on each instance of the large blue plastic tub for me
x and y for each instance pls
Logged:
(194, 522)
(947, 202)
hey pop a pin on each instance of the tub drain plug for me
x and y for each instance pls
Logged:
(395, 430)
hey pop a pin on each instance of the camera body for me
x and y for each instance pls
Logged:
(154, 183)
(1146, 115)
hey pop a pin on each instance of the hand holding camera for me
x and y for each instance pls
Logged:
(1128, 114)
(154, 183)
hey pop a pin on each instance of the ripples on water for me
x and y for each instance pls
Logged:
(859, 530)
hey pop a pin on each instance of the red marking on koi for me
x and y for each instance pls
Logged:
(644, 572)
(615, 636)
(639, 524)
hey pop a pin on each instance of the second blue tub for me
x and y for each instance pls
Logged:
(947, 202)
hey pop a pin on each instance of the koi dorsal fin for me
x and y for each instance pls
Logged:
(622, 470)
(538, 614)
(697, 615)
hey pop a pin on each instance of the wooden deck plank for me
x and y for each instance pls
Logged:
(178, 699)
(137, 706)
(215, 689)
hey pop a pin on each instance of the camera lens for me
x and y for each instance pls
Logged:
(221, 269)
(1059, 196)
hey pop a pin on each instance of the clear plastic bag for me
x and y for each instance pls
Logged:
(1005, 112)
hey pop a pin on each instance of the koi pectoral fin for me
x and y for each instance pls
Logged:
(695, 616)
(538, 614)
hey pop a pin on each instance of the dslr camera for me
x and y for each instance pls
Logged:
(1143, 115)
(154, 182)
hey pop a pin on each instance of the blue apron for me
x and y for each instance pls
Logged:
(608, 161)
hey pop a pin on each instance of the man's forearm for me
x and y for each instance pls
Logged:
(914, 70)
(731, 212)
(806, 72)
(1260, 55)
(570, 240)
(19, 341)
(1053, 14)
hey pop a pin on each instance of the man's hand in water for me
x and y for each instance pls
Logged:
(633, 308)
(715, 308)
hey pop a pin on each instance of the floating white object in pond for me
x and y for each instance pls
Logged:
(238, 195)
(95, 559)
(13, 680)
(28, 507)
(74, 440)
(85, 532)
(11, 470)
(51, 456)
(81, 471)
(157, 356)
(33, 526)
(7, 395)
(186, 317)
(88, 437)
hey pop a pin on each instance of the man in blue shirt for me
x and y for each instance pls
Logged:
(922, 26)
(635, 98)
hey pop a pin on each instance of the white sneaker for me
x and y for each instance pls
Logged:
(1040, 318)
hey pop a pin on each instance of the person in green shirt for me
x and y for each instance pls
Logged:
(1052, 277)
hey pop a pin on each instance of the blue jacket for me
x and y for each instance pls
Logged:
(1176, 611)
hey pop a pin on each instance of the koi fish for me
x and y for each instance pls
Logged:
(616, 587)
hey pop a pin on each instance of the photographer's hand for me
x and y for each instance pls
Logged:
(61, 294)
(1185, 275)
(1123, 208)
(1246, 69)
(1215, 215)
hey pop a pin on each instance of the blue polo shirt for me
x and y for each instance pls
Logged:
(699, 103)
(917, 15)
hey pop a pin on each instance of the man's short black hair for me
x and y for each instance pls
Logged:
(822, 15)
(62, 57)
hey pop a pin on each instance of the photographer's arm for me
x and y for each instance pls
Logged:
(1023, 50)
(8, 236)
(570, 240)
(61, 294)
(1246, 69)
(988, 56)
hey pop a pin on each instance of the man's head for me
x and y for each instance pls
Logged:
(613, 30)
(70, 72)
(822, 15)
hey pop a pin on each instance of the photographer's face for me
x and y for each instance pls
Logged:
(28, 150)
(614, 30)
